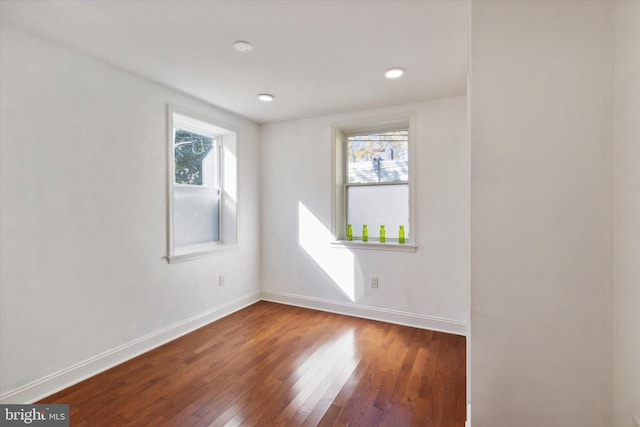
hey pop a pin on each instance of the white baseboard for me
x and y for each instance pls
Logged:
(64, 378)
(374, 313)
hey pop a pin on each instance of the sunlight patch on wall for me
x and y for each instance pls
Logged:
(229, 171)
(315, 239)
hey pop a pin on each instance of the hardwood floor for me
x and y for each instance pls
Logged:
(276, 365)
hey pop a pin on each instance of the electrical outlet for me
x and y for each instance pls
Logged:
(221, 280)
(635, 421)
(374, 281)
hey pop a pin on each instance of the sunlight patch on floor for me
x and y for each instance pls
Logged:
(315, 238)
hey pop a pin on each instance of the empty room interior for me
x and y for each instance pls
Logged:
(292, 212)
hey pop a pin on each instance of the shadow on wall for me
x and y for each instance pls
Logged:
(338, 264)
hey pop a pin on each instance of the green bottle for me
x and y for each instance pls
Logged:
(383, 234)
(365, 233)
(349, 232)
(401, 235)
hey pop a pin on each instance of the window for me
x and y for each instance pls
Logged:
(372, 186)
(377, 187)
(201, 179)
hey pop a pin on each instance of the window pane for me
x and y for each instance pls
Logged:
(378, 157)
(195, 215)
(189, 151)
(377, 205)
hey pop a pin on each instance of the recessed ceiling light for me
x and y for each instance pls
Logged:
(394, 73)
(266, 97)
(242, 46)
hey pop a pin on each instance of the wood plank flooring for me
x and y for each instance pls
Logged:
(276, 365)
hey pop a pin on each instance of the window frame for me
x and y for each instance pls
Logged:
(340, 132)
(227, 221)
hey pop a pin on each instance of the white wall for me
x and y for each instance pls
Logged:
(83, 218)
(541, 133)
(428, 287)
(626, 213)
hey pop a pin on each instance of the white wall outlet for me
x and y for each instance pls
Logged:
(374, 281)
(635, 421)
(221, 280)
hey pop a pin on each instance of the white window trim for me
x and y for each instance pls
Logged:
(338, 172)
(192, 186)
(227, 225)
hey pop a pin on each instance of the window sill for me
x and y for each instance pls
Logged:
(375, 245)
(189, 253)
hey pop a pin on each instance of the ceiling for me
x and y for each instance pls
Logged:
(316, 56)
